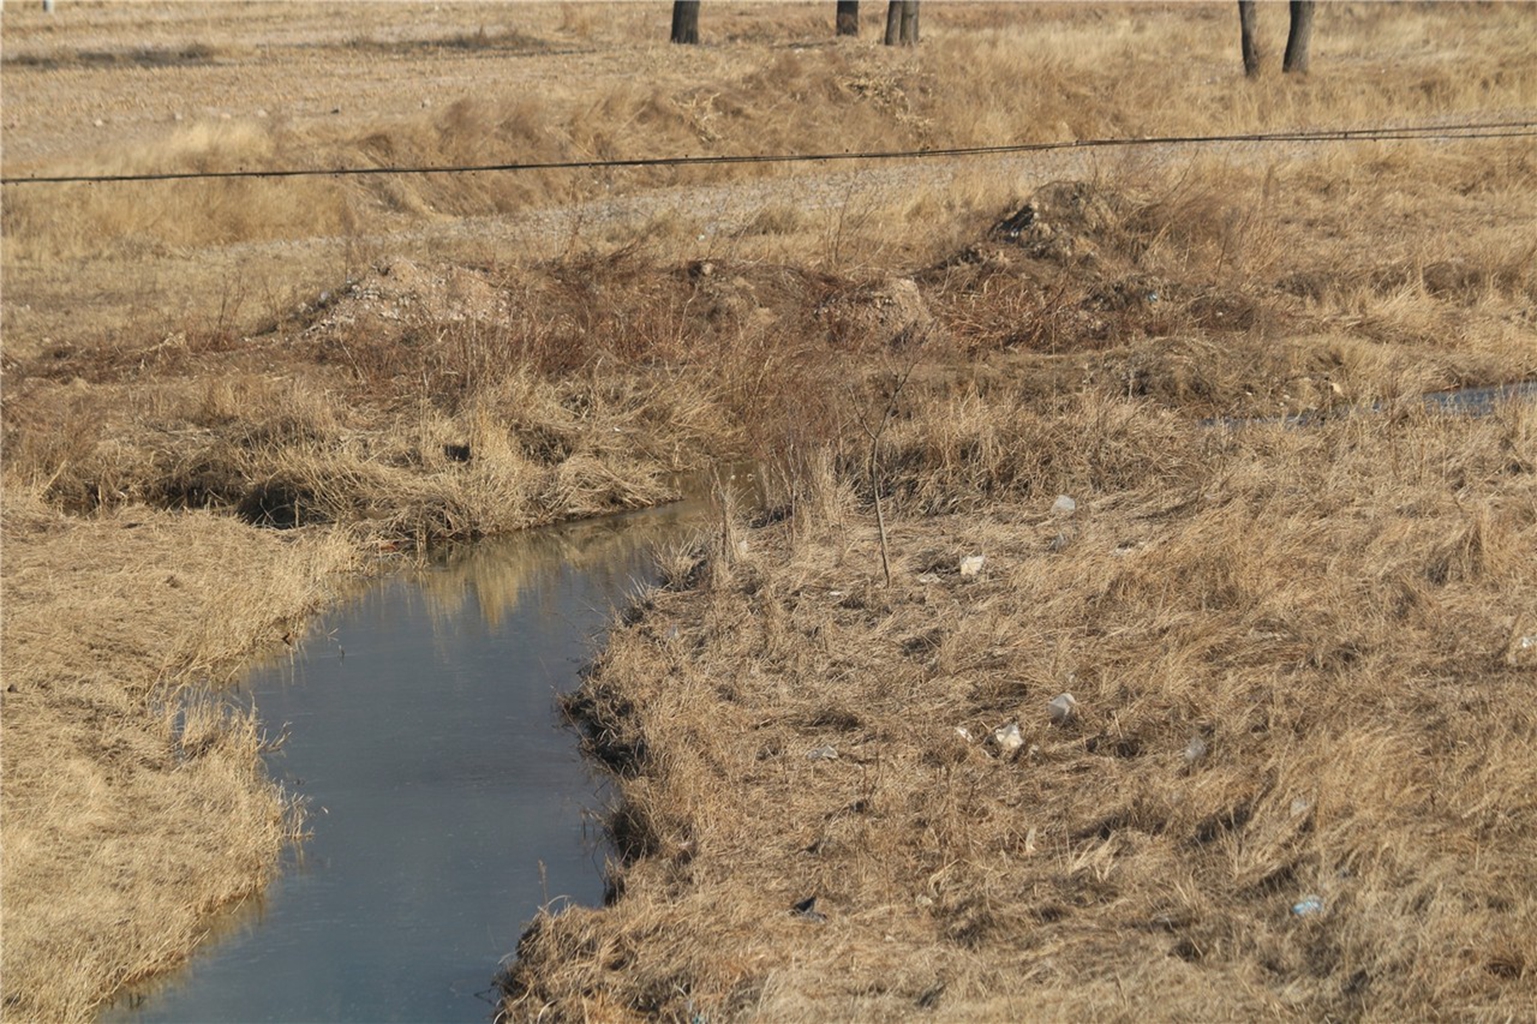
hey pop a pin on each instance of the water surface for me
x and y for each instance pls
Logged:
(446, 801)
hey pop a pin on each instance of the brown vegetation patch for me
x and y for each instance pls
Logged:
(279, 372)
(135, 803)
(1286, 681)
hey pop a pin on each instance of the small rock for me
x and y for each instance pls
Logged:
(1528, 642)
(98, 122)
(1064, 506)
(827, 753)
(260, 112)
(972, 564)
(1195, 750)
(928, 577)
(1008, 738)
(806, 909)
(1301, 806)
(1063, 708)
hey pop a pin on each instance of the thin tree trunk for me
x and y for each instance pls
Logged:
(848, 17)
(1247, 25)
(902, 23)
(685, 21)
(1301, 36)
(909, 22)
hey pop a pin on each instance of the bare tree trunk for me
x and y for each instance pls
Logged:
(1247, 25)
(902, 23)
(685, 21)
(1301, 35)
(848, 17)
(909, 22)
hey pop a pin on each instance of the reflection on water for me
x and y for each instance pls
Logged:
(446, 803)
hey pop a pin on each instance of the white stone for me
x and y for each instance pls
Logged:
(1063, 708)
(1008, 738)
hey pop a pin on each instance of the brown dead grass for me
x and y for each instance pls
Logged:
(253, 381)
(603, 84)
(135, 804)
(430, 401)
(1341, 617)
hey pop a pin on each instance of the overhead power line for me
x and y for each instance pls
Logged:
(1446, 132)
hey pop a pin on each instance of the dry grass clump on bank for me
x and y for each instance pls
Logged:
(1302, 661)
(440, 401)
(135, 804)
(400, 406)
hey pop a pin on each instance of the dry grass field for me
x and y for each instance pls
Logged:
(1303, 653)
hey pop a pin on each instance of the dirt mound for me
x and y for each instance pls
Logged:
(396, 296)
(1064, 222)
(893, 310)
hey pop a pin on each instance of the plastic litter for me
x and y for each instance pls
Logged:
(827, 753)
(1008, 738)
(972, 564)
(1307, 906)
(1195, 750)
(1064, 505)
(1063, 708)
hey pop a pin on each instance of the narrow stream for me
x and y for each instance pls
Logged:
(446, 801)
